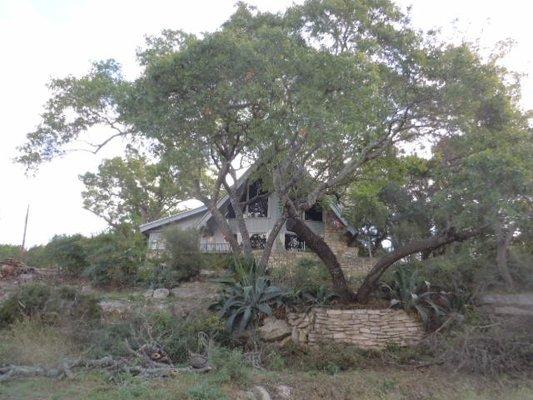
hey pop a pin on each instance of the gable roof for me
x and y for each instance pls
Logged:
(173, 218)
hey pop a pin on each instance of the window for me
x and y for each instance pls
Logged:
(293, 242)
(155, 241)
(230, 212)
(258, 208)
(314, 213)
(258, 241)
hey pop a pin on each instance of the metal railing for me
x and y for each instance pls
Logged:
(215, 247)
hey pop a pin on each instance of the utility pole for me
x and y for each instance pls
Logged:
(25, 230)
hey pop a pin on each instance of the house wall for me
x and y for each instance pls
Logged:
(331, 229)
(155, 239)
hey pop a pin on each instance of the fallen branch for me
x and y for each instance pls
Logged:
(108, 363)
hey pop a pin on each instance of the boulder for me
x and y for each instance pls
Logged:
(284, 392)
(161, 293)
(274, 329)
(148, 294)
(115, 306)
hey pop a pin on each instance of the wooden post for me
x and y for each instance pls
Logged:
(25, 230)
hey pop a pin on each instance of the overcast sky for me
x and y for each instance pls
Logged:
(40, 39)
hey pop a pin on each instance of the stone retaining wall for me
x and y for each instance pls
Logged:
(365, 328)
(351, 264)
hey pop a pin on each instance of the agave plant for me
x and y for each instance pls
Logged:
(313, 296)
(247, 296)
(408, 291)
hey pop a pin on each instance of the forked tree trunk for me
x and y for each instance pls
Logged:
(322, 250)
(417, 246)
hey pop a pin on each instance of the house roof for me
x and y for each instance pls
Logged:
(173, 218)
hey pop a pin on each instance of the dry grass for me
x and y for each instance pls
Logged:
(29, 342)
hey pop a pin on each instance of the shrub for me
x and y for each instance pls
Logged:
(114, 259)
(305, 275)
(408, 291)
(68, 253)
(328, 357)
(503, 345)
(179, 336)
(50, 305)
(9, 251)
(28, 301)
(205, 391)
(230, 366)
(182, 252)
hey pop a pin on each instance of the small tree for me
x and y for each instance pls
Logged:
(131, 191)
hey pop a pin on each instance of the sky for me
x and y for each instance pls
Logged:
(42, 39)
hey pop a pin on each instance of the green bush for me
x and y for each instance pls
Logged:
(114, 259)
(328, 357)
(205, 391)
(9, 251)
(69, 253)
(489, 346)
(182, 252)
(230, 366)
(307, 274)
(50, 305)
(179, 336)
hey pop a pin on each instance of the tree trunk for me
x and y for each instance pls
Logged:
(222, 223)
(322, 250)
(503, 240)
(417, 246)
(270, 241)
(241, 225)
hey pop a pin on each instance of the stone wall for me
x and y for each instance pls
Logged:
(365, 328)
(334, 236)
(351, 264)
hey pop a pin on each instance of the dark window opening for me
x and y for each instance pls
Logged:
(259, 207)
(293, 242)
(258, 241)
(230, 212)
(314, 213)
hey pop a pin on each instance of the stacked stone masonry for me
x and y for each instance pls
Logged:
(365, 328)
(351, 264)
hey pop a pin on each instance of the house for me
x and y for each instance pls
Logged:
(260, 215)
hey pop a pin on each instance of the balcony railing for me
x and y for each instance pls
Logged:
(215, 247)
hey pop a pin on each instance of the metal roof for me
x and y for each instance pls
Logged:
(173, 218)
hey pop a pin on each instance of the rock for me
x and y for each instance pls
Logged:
(115, 306)
(161, 293)
(7, 270)
(198, 361)
(274, 329)
(208, 273)
(195, 290)
(284, 392)
(148, 294)
(25, 278)
(86, 289)
(260, 393)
